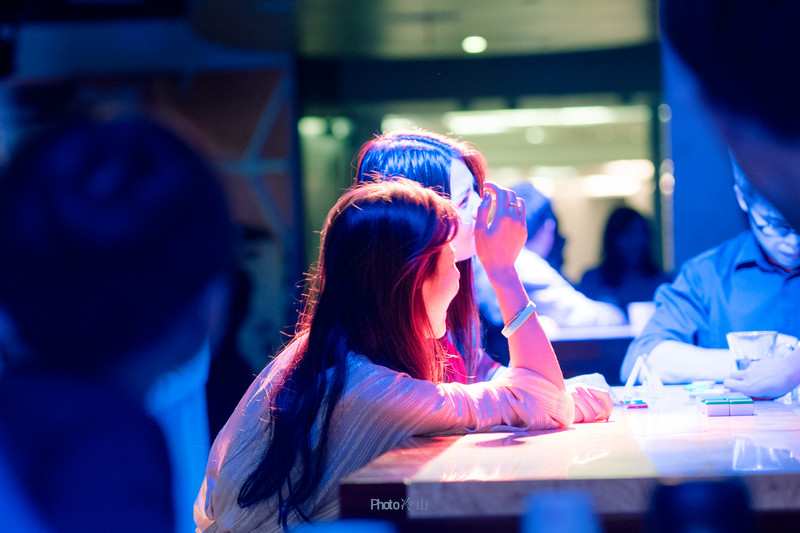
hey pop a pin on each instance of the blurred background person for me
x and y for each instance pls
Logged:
(558, 303)
(546, 241)
(230, 374)
(19, 512)
(628, 273)
(116, 250)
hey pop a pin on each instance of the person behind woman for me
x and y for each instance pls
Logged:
(628, 272)
(364, 370)
(456, 170)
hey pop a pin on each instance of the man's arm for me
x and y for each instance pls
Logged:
(679, 362)
(668, 340)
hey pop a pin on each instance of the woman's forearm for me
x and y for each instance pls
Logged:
(528, 346)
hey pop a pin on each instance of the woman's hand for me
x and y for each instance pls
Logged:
(591, 403)
(499, 241)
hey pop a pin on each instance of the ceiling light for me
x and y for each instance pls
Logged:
(476, 124)
(341, 127)
(474, 44)
(396, 123)
(535, 135)
(606, 186)
(642, 169)
(502, 120)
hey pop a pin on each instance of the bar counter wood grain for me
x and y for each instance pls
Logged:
(482, 480)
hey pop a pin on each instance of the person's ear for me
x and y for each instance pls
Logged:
(740, 198)
(549, 225)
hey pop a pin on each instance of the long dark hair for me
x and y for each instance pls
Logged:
(379, 244)
(426, 157)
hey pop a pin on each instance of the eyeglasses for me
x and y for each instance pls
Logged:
(771, 229)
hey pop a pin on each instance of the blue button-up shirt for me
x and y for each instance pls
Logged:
(732, 287)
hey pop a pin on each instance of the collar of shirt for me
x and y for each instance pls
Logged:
(752, 255)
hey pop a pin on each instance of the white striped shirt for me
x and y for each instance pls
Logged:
(379, 409)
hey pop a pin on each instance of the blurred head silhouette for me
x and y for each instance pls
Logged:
(542, 225)
(709, 506)
(627, 246)
(114, 235)
(746, 55)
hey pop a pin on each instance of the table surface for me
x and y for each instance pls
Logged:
(619, 462)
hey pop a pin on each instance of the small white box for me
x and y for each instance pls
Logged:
(740, 405)
(715, 407)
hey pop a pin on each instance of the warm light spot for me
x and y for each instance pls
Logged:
(396, 123)
(535, 135)
(341, 127)
(312, 126)
(606, 186)
(667, 184)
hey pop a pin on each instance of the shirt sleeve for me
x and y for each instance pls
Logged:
(680, 313)
(379, 409)
(553, 295)
(519, 400)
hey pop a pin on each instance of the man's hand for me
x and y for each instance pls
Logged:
(767, 378)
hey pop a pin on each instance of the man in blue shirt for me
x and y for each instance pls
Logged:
(750, 282)
(744, 56)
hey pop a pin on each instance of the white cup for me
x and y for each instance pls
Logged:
(749, 346)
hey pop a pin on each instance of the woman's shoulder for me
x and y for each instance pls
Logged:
(373, 382)
(361, 367)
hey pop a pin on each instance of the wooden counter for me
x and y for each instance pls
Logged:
(485, 478)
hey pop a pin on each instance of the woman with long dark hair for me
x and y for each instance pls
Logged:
(365, 368)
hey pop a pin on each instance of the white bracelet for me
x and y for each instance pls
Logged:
(518, 320)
